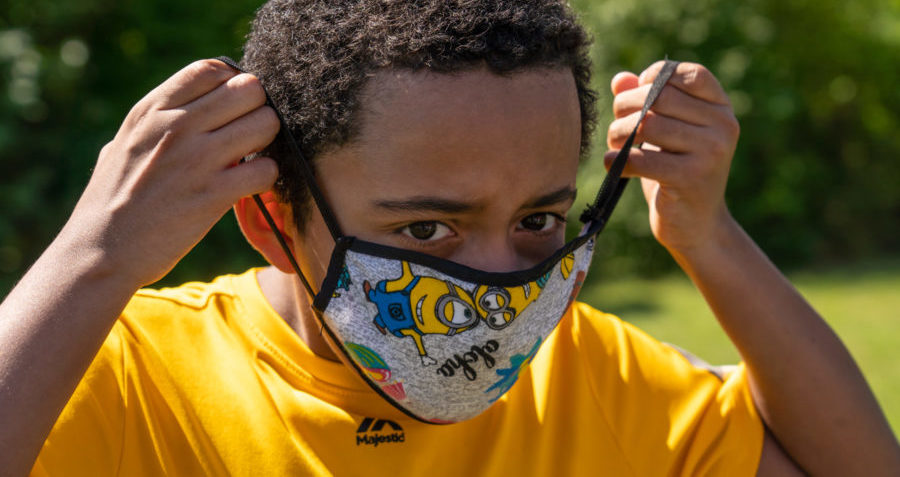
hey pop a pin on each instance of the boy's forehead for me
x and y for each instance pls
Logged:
(465, 136)
(429, 93)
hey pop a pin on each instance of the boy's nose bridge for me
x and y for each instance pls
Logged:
(494, 254)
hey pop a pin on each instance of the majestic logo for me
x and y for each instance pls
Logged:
(373, 432)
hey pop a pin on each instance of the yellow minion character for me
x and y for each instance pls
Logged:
(501, 305)
(566, 265)
(416, 305)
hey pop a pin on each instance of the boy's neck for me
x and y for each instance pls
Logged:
(289, 300)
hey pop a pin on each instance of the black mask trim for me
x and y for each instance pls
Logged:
(307, 168)
(454, 269)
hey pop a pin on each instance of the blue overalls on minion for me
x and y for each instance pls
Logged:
(394, 310)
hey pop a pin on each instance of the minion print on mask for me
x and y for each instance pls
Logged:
(499, 306)
(566, 264)
(415, 306)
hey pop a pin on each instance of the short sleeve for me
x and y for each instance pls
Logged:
(669, 416)
(729, 433)
(87, 437)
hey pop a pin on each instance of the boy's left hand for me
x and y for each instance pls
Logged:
(689, 137)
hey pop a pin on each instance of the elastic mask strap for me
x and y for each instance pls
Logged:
(283, 242)
(306, 168)
(614, 184)
(308, 174)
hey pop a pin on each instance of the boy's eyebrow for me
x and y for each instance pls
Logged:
(450, 206)
(563, 194)
(426, 204)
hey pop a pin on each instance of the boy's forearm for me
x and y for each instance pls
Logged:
(805, 383)
(51, 326)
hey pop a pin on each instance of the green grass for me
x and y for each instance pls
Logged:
(860, 302)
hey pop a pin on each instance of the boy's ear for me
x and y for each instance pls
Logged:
(257, 231)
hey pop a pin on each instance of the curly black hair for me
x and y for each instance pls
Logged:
(314, 58)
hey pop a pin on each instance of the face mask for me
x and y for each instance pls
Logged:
(439, 340)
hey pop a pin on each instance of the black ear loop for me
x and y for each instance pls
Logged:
(308, 174)
(614, 184)
(284, 245)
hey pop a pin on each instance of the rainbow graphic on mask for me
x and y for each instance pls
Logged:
(377, 369)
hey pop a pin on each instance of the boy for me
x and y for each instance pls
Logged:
(448, 128)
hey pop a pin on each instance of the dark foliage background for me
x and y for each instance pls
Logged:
(815, 178)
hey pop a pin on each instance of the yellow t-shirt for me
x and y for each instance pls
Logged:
(206, 379)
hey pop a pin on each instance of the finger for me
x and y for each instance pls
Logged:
(672, 135)
(232, 99)
(691, 78)
(660, 166)
(243, 136)
(248, 178)
(623, 81)
(193, 81)
(672, 102)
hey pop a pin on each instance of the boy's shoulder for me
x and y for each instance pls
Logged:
(195, 294)
(192, 313)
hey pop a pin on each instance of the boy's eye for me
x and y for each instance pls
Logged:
(429, 230)
(539, 222)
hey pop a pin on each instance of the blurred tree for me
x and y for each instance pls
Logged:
(816, 173)
(815, 176)
(69, 72)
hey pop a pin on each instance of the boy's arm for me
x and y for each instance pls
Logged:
(157, 188)
(805, 384)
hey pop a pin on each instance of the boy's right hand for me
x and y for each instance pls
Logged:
(157, 188)
(172, 171)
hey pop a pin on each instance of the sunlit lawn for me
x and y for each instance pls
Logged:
(861, 303)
